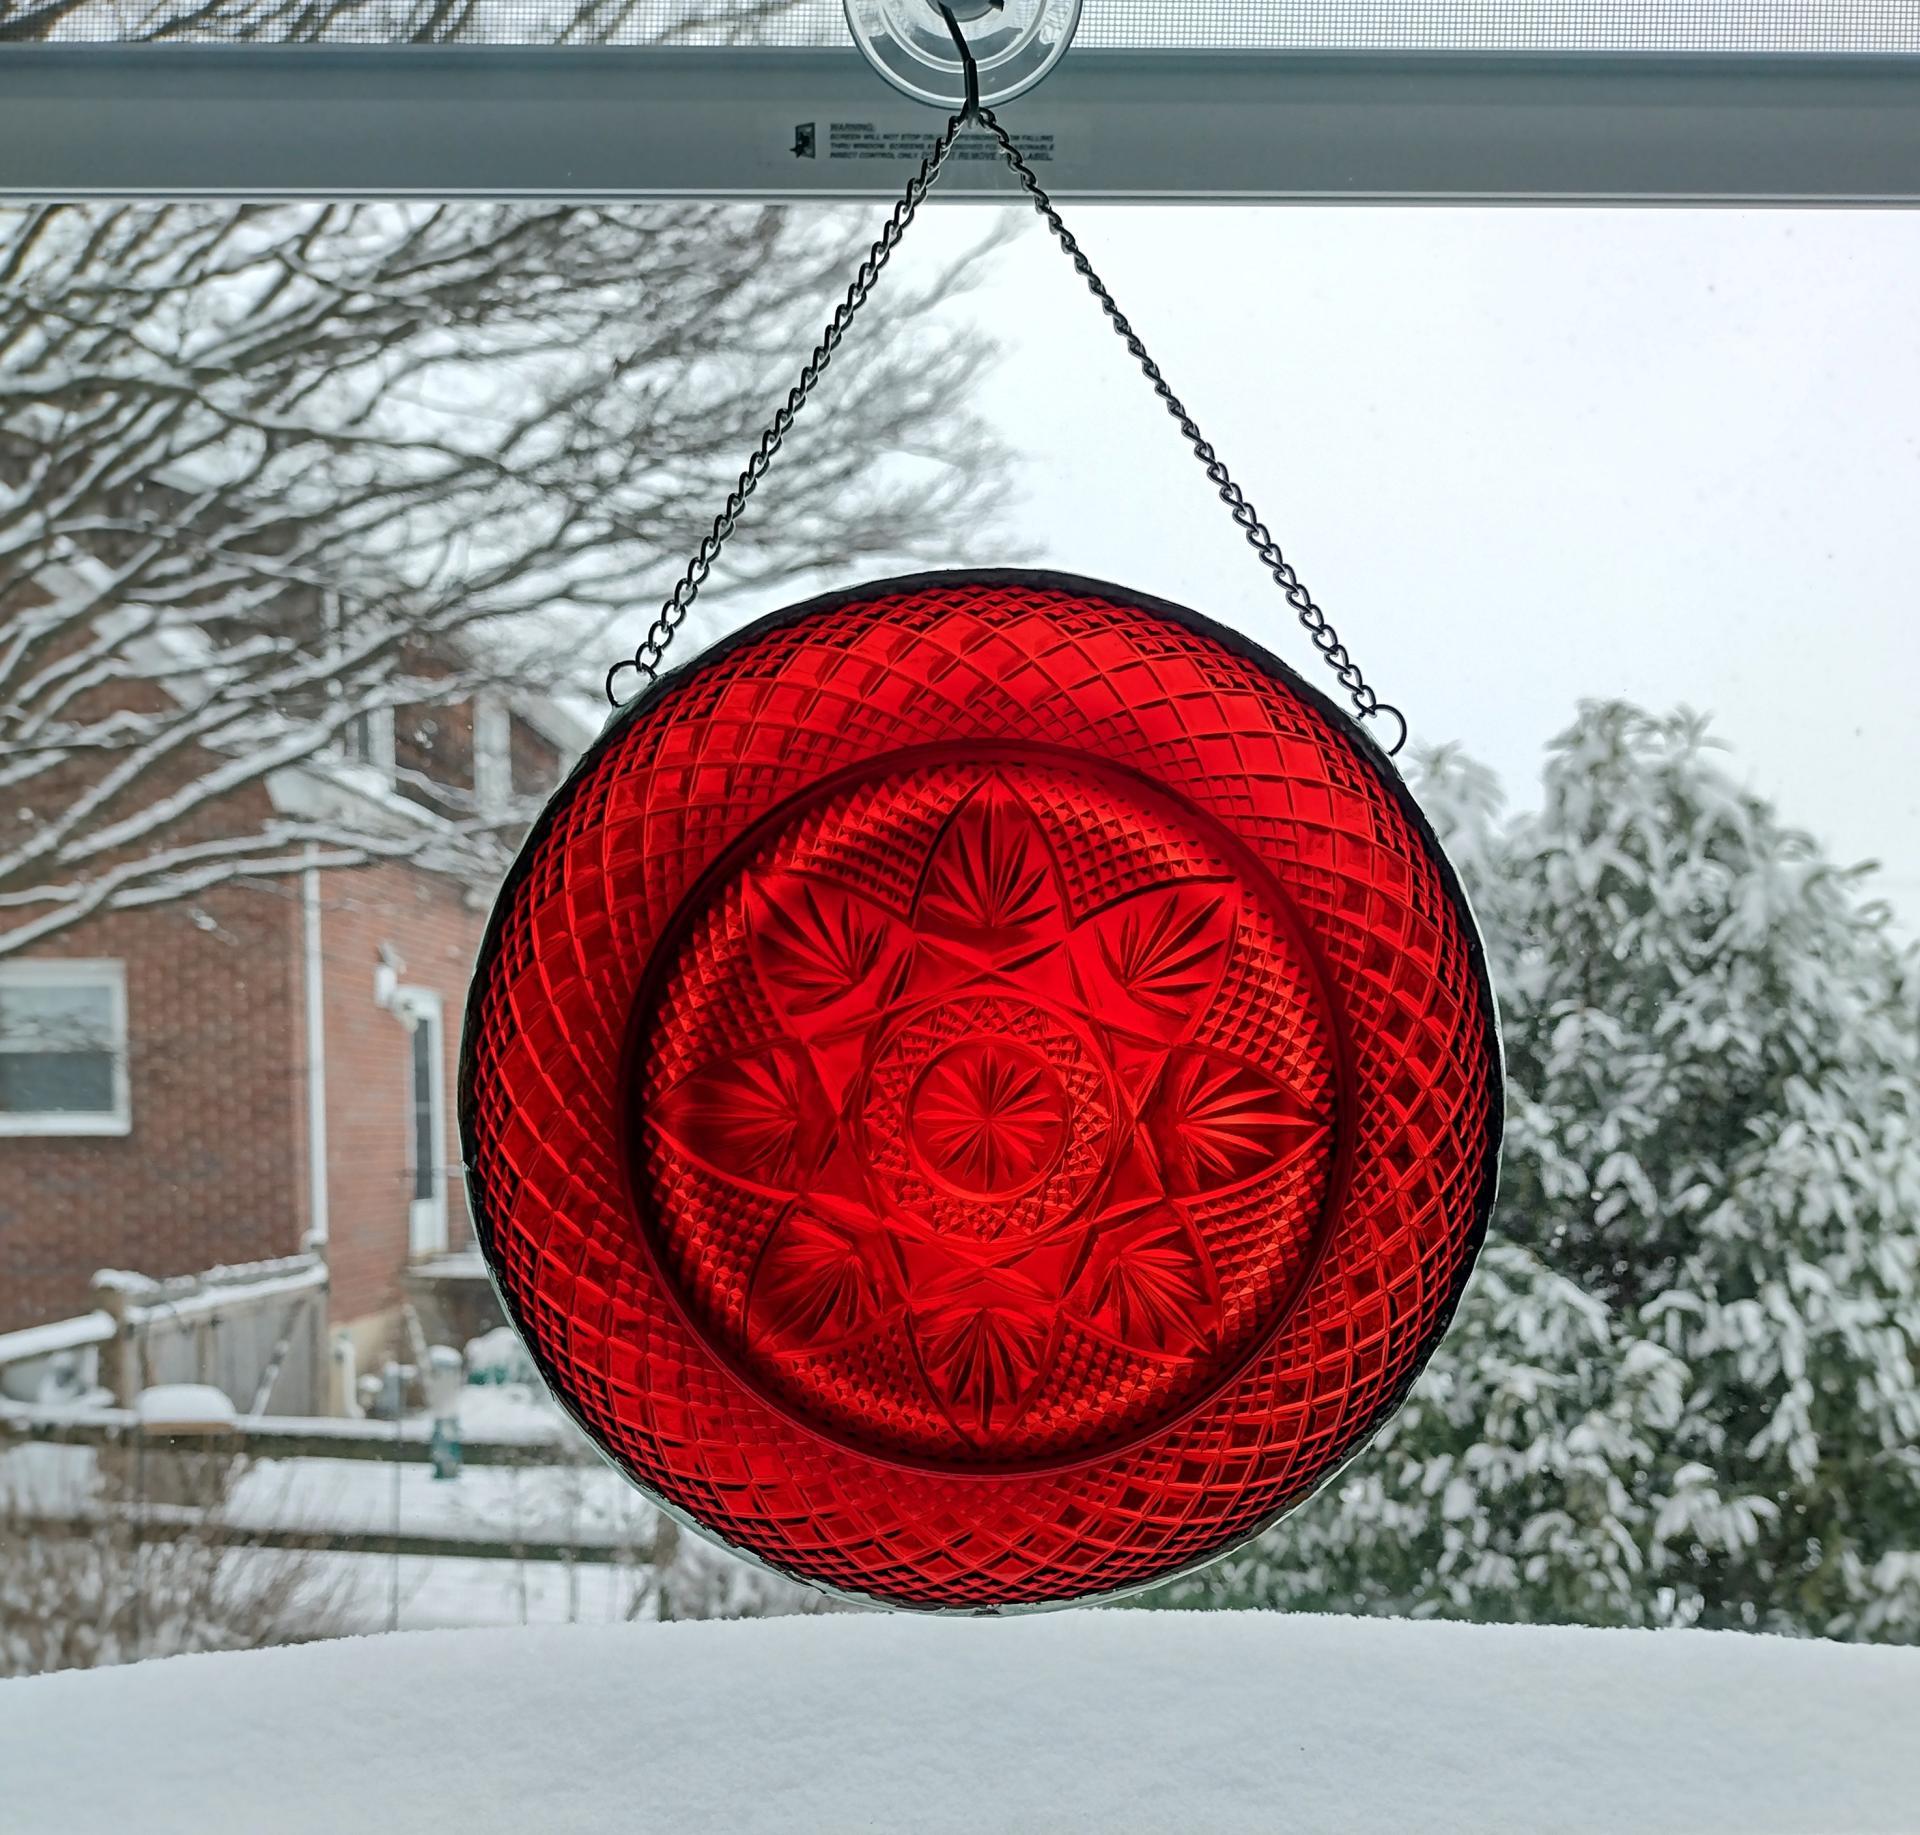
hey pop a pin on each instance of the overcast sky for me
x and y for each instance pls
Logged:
(1522, 457)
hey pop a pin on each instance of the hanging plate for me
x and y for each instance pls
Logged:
(981, 1091)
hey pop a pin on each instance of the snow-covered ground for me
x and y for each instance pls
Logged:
(1108, 1721)
(574, 1500)
(368, 1592)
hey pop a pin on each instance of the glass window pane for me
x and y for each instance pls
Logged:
(56, 1083)
(61, 1016)
(424, 1157)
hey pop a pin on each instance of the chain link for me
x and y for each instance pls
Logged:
(1325, 638)
(647, 658)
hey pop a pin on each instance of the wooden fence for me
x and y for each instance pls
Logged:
(268, 1437)
(257, 1333)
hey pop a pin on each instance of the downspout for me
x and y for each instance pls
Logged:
(316, 1057)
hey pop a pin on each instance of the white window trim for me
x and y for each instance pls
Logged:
(427, 1226)
(98, 971)
(380, 743)
(382, 761)
(492, 755)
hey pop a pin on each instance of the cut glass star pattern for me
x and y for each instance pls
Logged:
(1001, 1125)
(981, 1092)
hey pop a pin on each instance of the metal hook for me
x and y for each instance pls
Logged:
(619, 669)
(970, 109)
(1387, 707)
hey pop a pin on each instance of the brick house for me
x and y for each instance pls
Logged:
(262, 1066)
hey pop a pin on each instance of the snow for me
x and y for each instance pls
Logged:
(50, 1480)
(183, 1408)
(590, 1503)
(218, 1288)
(55, 1336)
(497, 1357)
(372, 1593)
(55, 1362)
(1108, 1721)
(509, 1409)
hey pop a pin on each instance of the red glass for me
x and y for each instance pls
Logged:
(982, 1091)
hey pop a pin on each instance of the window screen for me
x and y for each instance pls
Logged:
(1371, 25)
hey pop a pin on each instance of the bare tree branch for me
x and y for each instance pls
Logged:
(268, 470)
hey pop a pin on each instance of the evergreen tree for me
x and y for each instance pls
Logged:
(1682, 1387)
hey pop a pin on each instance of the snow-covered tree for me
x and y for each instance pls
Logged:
(269, 471)
(1682, 1387)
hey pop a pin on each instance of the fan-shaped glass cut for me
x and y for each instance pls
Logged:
(981, 1091)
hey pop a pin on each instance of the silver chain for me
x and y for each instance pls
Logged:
(647, 658)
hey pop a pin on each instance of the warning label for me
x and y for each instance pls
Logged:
(862, 140)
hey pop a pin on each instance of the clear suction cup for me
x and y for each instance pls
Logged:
(1014, 42)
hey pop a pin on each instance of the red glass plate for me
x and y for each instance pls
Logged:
(981, 1091)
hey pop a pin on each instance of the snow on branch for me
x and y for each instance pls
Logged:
(269, 473)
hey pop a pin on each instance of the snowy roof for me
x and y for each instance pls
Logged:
(1108, 1721)
(564, 721)
(176, 656)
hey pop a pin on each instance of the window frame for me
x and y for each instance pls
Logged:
(429, 1230)
(378, 756)
(1131, 125)
(492, 755)
(109, 972)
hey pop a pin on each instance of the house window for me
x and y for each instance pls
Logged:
(424, 1080)
(367, 739)
(492, 756)
(425, 1121)
(63, 1048)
